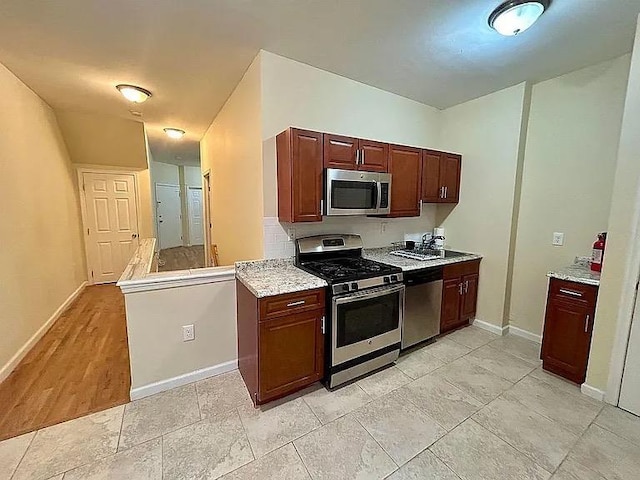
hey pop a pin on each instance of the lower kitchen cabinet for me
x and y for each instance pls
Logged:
(280, 342)
(459, 294)
(567, 328)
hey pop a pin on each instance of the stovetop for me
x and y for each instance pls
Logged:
(347, 269)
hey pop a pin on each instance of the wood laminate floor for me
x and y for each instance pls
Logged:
(80, 366)
(181, 258)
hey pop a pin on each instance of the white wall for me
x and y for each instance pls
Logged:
(164, 173)
(41, 247)
(487, 132)
(192, 176)
(295, 94)
(569, 165)
(154, 328)
(620, 269)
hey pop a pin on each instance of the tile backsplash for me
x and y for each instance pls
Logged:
(375, 232)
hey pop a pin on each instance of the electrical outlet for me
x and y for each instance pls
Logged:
(383, 227)
(188, 333)
(558, 239)
(291, 233)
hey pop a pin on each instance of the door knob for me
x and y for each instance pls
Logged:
(134, 235)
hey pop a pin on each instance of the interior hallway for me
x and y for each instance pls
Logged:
(80, 366)
(181, 258)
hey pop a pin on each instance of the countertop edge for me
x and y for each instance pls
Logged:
(573, 278)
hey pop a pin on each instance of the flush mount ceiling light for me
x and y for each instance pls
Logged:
(174, 133)
(133, 94)
(515, 16)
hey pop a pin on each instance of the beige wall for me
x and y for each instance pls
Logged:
(619, 273)
(570, 158)
(41, 248)
(487, 133)
(298, 95)
(154, 326)
(231, 149)
(103, 139)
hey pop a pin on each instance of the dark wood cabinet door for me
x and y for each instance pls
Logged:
(450, 316)
(469, 297)
(450, 169)
(340, 152)
(405, 166)
(567, 337)
(306, 175)
(291, 352)
(431, 187)
(373, 156)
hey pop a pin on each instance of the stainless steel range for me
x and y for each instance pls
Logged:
(364, 308)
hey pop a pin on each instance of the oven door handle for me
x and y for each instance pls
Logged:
(378, 293)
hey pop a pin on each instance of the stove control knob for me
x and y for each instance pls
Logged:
(345, 287)
(387, 280)
(354, 286)
(394, 278)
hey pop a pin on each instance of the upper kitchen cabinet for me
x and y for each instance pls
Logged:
(441, 177)
(299, 163)
(349, 153)
(373, 156)
(340, 152)
(405, 166)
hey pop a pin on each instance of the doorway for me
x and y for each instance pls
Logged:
(196, 225)
(630, 389)
(109, 204)
(168, 216)
(210, 255)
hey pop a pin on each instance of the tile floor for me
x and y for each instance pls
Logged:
(471, 406)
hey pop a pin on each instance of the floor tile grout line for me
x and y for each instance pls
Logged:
(302, 460)
(24, 454)
(124, 411)
(377, 442)
(246, 434)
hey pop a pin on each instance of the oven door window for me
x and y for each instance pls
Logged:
(349, 195)
(368, 318)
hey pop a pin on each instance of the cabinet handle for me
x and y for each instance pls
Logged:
(466, 286)
(321, 207)
(295, 304)
(460, 287)
(446, 191)
(323, 320)
(362, 157)
(586, 324)
(441, 192)
(358, 157)
(570, 292)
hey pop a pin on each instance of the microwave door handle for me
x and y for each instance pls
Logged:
(379, 195)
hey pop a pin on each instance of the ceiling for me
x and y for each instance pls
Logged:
(192, 53)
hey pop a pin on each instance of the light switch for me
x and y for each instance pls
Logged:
(558, 239)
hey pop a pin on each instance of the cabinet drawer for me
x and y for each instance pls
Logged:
(271, 307)
(573, 291)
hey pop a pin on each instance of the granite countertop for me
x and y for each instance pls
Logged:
(382, 255)
(579, 272)
(265, 278)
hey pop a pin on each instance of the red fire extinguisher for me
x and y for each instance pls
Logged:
(597, 254)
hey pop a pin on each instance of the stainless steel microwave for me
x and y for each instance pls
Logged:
(352, 192)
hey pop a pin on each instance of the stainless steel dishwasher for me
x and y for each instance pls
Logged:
(423, 304)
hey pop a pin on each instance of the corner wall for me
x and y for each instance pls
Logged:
(622, 256)
(569, 166)
(487, 131)
(41, 246)
(232, 150)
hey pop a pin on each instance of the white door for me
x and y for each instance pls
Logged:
(630, 390)
(169, 216)
(196, 228)
(112, 223)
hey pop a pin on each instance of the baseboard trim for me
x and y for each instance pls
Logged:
(524, 334)
(6, 370)
(490, 327)
(164, 385)
(592, 392)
